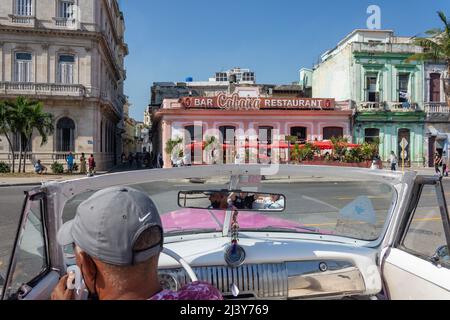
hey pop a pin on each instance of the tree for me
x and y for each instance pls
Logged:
(24, 117)
(6, 129)
(37, 120)
(436, 47)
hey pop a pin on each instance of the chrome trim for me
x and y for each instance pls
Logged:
(291, 280)
(307, 280)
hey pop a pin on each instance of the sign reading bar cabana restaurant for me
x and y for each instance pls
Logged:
(235, 102)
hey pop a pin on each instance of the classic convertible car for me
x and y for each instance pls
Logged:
(306, 233)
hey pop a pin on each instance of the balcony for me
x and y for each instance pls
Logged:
(437, 107)
(115, 101)
(42, 89)
(369, 106)
(403, 107)
(65, 22)
(23, 20)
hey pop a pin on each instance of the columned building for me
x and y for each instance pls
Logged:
(371, 69)
(68, 54)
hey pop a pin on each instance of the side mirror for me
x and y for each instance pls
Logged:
(223, 199)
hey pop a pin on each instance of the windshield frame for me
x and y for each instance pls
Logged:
(64, 191)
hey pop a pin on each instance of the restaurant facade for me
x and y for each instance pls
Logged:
(246, 128)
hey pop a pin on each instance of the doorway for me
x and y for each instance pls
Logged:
(435, 87)
(431, 151)
(406, 155)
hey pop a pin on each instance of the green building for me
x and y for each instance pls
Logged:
(369, 69)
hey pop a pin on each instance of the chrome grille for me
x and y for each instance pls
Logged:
(260, 280)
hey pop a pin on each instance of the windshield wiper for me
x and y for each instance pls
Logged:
(193, 231)
(284, 229)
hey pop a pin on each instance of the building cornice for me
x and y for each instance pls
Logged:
(89, 35)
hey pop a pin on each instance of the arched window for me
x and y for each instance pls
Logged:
(65, 130)
(330, 132)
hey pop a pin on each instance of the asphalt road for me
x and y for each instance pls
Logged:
(321, 198)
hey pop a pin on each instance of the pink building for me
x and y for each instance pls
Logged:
(246, 129)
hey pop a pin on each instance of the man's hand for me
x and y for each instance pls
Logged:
(61, 292)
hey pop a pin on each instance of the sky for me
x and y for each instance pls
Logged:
(170, 40)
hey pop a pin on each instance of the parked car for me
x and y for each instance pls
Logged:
(335, 232)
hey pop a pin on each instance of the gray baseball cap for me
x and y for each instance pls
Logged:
(107, 225)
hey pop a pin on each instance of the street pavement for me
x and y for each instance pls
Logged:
(313, 204)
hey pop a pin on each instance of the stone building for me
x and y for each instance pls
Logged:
(69, 54)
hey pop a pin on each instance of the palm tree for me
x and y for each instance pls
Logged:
(24, 117)
(436, 47)
(37, 120)
(6, 128)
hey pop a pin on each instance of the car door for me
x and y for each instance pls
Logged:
(417, 266)
(29, 275)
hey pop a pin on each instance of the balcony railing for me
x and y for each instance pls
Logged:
(371, 106)
(65, 22)
(368, 106)
(437, 107)
(23, 20)
(403, 107)
(48, 89)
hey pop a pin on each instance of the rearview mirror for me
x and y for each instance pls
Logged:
(224, 199)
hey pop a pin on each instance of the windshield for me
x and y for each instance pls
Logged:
(351, 207)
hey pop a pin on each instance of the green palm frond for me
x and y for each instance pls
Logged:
(444, 20)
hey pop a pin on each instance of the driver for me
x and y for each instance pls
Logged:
(117, 237)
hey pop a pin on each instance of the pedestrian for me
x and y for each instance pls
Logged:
(160, 161)
(444, 164)
(130, 159)
(70, 159)
(147, 158)
(437, 163)
(39, 168)
(393, 160)
(83, 168)
(92, 165)
(137, 158)
(123, 159)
